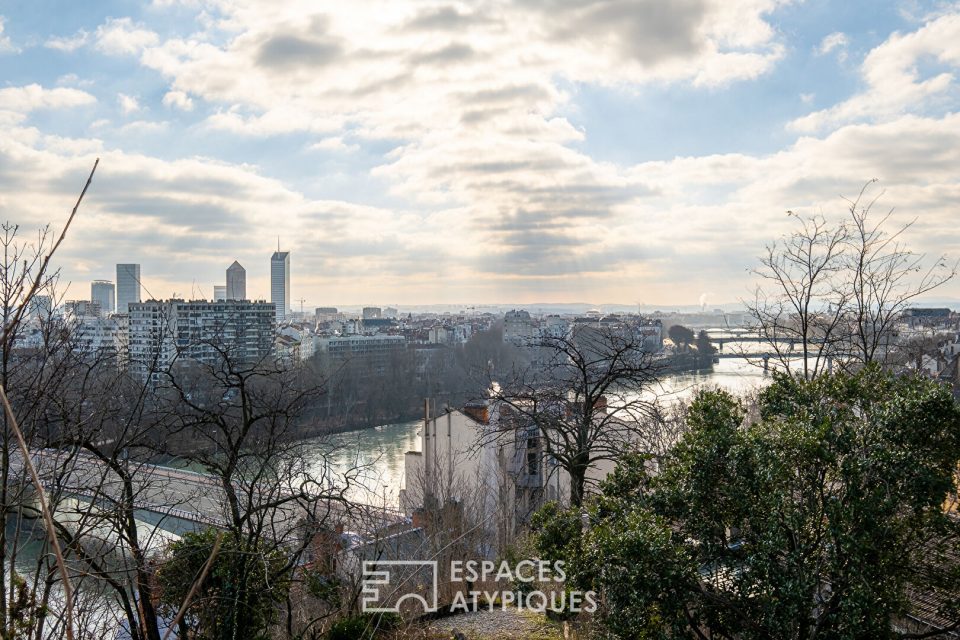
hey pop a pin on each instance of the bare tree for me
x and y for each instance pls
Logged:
(884, 278)
(832, 292)
(25, 272)
(582, 403)
(238, 421)
(802, 302)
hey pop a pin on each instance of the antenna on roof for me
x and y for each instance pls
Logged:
(278, 244)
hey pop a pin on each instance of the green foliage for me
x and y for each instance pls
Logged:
(641, 573)
(363, 627)
(816, 521)
(556, 532)
(680, 335)
(24, 613)
(703, 344)
(242, 590)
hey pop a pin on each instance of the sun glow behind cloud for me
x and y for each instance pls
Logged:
(435, 151)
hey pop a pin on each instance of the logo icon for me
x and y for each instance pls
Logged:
(385, 579)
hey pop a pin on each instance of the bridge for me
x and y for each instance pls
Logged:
(188, 496)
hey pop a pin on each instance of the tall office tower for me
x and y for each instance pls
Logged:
(236, 282)
(128, 286)
(219, 293)
(103, 291)
(280, 283)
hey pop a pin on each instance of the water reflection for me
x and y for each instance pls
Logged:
(376, 456)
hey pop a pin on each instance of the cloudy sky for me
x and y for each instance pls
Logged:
(421, 151)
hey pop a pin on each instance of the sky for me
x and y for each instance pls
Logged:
(437, 152)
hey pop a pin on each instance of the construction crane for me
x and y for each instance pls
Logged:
(301, 301)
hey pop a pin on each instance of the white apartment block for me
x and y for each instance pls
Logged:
(162, 332)
(468, 456)
(519, 328)
(101, 338)
(295, 343)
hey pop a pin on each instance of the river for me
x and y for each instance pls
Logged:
(379, 451)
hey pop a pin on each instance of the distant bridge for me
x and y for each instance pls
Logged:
(720, 337)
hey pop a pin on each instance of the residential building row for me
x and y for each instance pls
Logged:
(522, 329)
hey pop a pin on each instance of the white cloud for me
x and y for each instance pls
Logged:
(121, 36)
(179, 100)
(6, 45)
(176, 216)
(33, 96)
(128, 104)
(68, 43)
(334, 143)
(471, 96)
(73, 80)
(494, 196)
(835, 41)
(894, 82)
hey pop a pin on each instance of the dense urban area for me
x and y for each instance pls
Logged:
(172, 466)
(480, 320)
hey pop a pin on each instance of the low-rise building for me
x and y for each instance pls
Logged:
(490, 456)
(295, 343)
(519, 329)
(375, 350)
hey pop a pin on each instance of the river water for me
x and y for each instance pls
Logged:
(379, 452)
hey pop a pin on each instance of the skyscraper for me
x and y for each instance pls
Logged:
(280, 283)
(103, 291)
(236, 282)
(219, 293)
(128, 286)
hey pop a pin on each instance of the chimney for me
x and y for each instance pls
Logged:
(479, 411)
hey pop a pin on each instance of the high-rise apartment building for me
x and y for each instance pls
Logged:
(236, 282)
(41, 307)
(82, 309)
(280, 283)
(98, 338)
(128, 286)
(164, 331)
(103, 291)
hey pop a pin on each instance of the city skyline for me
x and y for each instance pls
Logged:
(480, 153)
